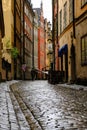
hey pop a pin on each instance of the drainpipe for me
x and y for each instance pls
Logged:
(53, 36)
(15, 60)
(74, 34)
(20, 38)
(14, 23)
(73, 4)
(23, 40)
(33, 44)
(57, 36)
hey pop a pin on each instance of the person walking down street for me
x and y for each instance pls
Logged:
(33, 74)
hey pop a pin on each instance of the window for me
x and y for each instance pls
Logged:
(84, 50)
(70, 11)
(83, 2)
(60, 21)
(65, 15)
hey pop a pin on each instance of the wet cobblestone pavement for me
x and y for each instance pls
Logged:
(8, 119)
(49, 107)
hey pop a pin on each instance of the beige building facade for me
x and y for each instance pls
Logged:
(65, 29)
(7, 40)
(81, 40)
(2, 34)
(72, 16)
(48, 45)
(36, 40)
(11, 66)
(28, 38)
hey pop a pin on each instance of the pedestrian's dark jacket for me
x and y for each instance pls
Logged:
(33, 74)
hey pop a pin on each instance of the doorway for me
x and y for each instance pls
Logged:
(66, 66)
(73, 63)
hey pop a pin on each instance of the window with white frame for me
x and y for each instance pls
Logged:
(83, 2)
(65, 15)
(84, 50)
(70, 11)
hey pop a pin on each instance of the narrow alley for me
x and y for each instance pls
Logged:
(43, 65)
(49, 107)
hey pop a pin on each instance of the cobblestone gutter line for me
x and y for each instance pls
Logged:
(13, 125)
(20, 116)
(32, 113)
(33, 123)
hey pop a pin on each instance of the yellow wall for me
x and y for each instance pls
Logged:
(8, 21)
(65, 38)
(80, 31)
(79, 11)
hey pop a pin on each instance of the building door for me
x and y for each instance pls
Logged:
(62, 63)
(66, 67)
(73, 63)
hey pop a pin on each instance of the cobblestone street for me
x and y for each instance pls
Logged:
(49, 107)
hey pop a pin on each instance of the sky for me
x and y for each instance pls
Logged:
(47, 8)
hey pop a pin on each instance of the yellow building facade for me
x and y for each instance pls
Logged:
(81, 40)
(7, 40)
(65, 29)
(2, 34)
(72, 32)
(12, 19)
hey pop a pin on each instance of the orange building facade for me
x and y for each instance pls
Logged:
(41, 40)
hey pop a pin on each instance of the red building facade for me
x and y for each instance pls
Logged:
(41, 40)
